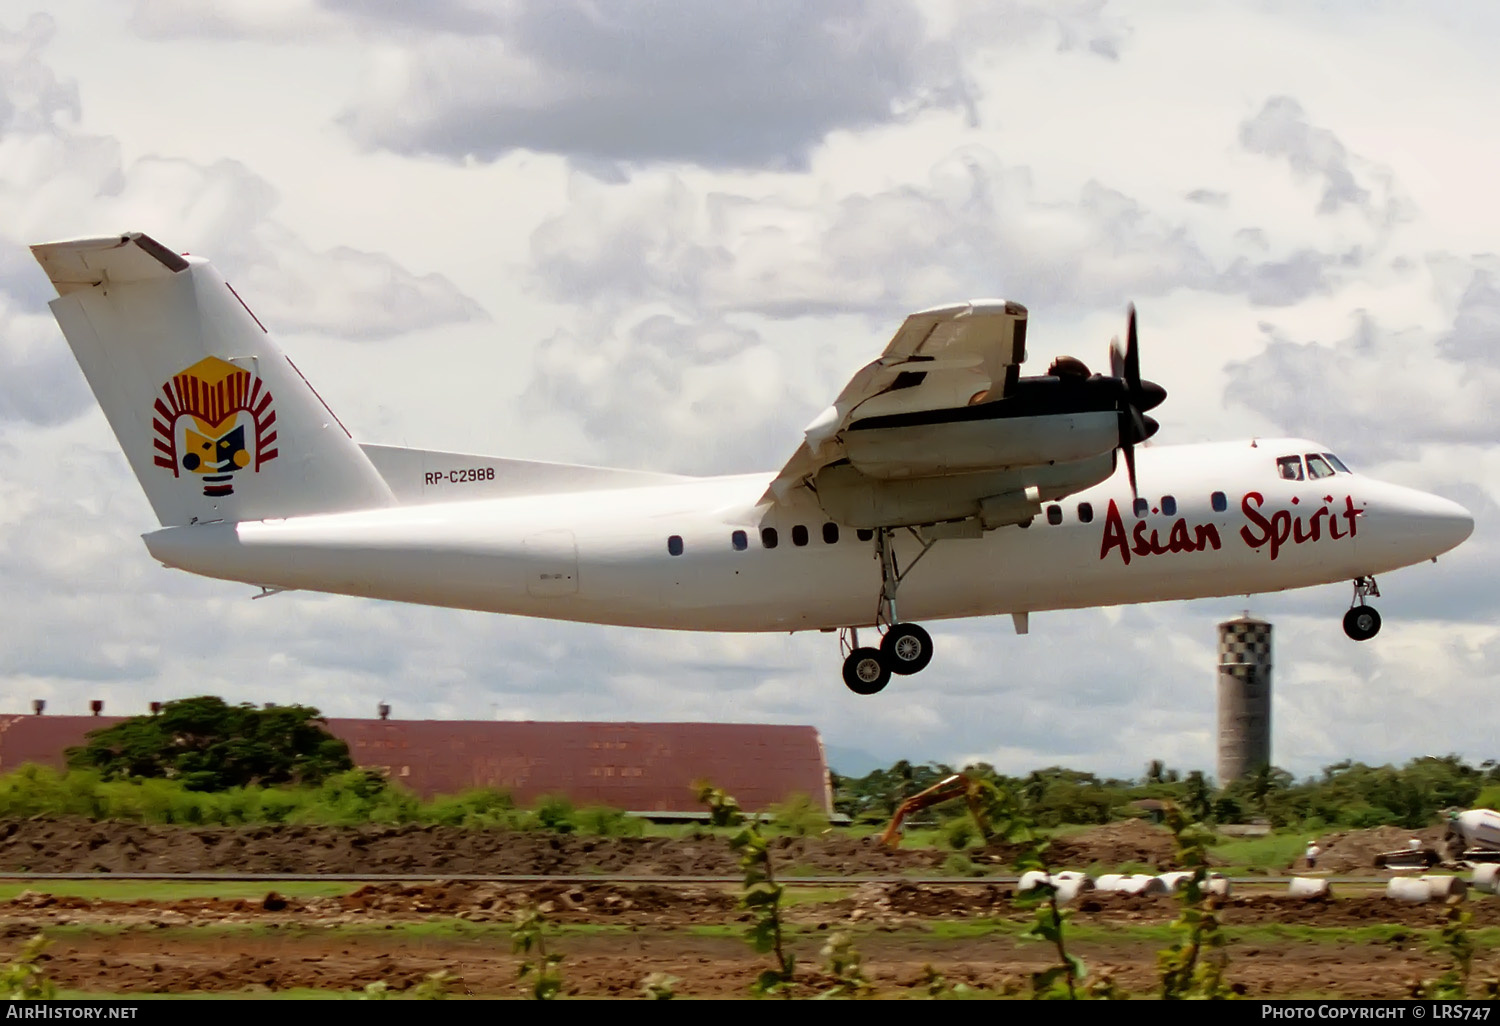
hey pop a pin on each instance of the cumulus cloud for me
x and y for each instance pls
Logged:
(1406, 386)
(720, 85)
(663, 394)
(56, 181)
(1281, 130)
(276, 20)
(975, 228)
(1375, 382)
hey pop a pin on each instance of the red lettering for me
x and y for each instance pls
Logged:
(1252, 514)
(1322, 512)
(1142, 546)
(1350, 513)
(1206, 533)
(1178, 540)
(1114, 534)
(1281, 530)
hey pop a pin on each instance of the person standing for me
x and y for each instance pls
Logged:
(1313, 851)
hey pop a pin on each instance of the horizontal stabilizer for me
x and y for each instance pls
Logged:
(118, 259)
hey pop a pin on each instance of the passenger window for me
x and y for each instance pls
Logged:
(864, 535)
(830, 534)
(674, 545)
(1220, 503)
(1290, 467)
(1318, 467)
(768, 537)
(740, 542)
(799, 535)
(1054, 515)
(1085, 513)
(1169, 505)
(1142, 507)
(1338, 464)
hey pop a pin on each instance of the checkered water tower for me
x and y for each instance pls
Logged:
(1244, 697)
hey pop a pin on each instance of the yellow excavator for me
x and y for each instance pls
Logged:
(956, 786)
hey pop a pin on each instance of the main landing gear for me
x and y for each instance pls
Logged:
(1362, 622)
(905, 648)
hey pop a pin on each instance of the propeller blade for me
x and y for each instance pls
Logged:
(1151, 426)
(1132, 354)
(1149, 395)
(1129, 451)
(1116, 358)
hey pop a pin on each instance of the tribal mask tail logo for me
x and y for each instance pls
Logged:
(214, 419)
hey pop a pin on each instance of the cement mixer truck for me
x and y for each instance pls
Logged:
(1473, 836)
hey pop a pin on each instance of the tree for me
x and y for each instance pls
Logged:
(210, 745)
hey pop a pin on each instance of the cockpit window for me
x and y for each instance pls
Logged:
(1338, 464)
(1317, 467)
(1290, 467)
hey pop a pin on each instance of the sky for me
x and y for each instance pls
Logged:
(663, 234)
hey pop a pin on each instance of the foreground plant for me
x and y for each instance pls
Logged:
(1453, 982)
(526, 936)
(23, 979)
(1194, 967)
(1008, 819)
(762, 894)
(660, 986)
(845, 964)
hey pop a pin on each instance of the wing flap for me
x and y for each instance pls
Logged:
(943, 357)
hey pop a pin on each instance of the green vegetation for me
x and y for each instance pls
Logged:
(209, 745)
(528, 937)
(1345, 795)
(1194, 966)
(762, 894)
(23, 979)
(169, 890)
(351, 798)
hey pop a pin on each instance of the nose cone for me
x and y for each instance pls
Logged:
(1447, 523)
(1432, 524)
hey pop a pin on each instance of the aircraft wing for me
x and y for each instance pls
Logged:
(939, 358)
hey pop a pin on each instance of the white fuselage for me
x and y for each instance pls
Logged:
(603, 556)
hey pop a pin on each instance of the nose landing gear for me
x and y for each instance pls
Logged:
(1362, 622)
(906, 648)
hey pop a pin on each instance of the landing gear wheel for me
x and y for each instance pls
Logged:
(866, 672)
(906, 648)
(1362, 623)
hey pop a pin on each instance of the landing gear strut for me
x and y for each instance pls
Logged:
(1362, 622)
(906, 648)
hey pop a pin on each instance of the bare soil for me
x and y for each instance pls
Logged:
(1112, 844)
(88, 846)
(1354, 851)
(348, 942)
(614, 933)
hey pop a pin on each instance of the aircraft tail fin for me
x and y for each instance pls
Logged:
(217, 423)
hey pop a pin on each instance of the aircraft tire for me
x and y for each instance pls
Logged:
(906, 648)
(1362, 623)
(866, 671)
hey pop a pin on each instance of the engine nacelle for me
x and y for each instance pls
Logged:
(938, 443)
(995, 498)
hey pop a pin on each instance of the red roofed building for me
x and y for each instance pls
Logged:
(639, 767)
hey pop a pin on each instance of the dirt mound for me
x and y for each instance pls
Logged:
(86, 846)
(1110, 845)
(1354, 851)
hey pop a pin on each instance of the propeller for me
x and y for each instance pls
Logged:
(1136, 397)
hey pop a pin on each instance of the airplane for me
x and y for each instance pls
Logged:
(939, 475)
